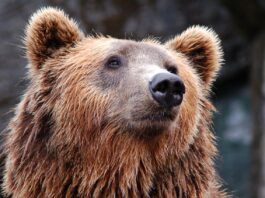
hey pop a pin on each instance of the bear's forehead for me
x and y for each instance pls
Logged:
(146, 49)
(143, 48)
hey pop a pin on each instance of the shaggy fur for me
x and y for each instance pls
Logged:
(72, 134)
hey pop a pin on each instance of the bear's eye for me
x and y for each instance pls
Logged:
(171, 69)
(114, 62)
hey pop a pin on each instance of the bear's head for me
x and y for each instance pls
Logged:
(102, 87)
(102, 113)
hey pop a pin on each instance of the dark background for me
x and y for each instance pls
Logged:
(239, 23)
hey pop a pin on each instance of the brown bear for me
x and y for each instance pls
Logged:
(106, 117)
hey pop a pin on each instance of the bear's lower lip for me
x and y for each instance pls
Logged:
(157, 116)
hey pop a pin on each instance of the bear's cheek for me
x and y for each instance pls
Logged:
(190, 109)
(81, 100)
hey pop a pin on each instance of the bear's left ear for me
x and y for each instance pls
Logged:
(202, 47)
(49, 30)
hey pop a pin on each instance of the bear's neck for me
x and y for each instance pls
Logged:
(143, 170)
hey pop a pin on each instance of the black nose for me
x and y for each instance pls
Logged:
(167, 89)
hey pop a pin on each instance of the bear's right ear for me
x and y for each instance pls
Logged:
(49, 30)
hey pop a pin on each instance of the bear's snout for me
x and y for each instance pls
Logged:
(167, 89)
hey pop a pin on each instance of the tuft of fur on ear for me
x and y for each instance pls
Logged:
(202, 46)
(49, 29)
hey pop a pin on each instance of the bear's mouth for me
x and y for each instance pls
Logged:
(155, 115)
(150, 124)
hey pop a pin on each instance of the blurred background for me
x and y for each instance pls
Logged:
(239, 92)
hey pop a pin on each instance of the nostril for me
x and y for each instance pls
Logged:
(178, 88)
(162, 86)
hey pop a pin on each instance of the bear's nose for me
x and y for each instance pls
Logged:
(167, 89)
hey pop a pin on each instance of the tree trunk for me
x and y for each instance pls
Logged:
(258, 101)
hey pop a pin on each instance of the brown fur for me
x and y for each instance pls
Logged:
(72, 133)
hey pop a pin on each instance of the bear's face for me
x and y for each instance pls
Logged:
(124, 73)
(140, 88)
